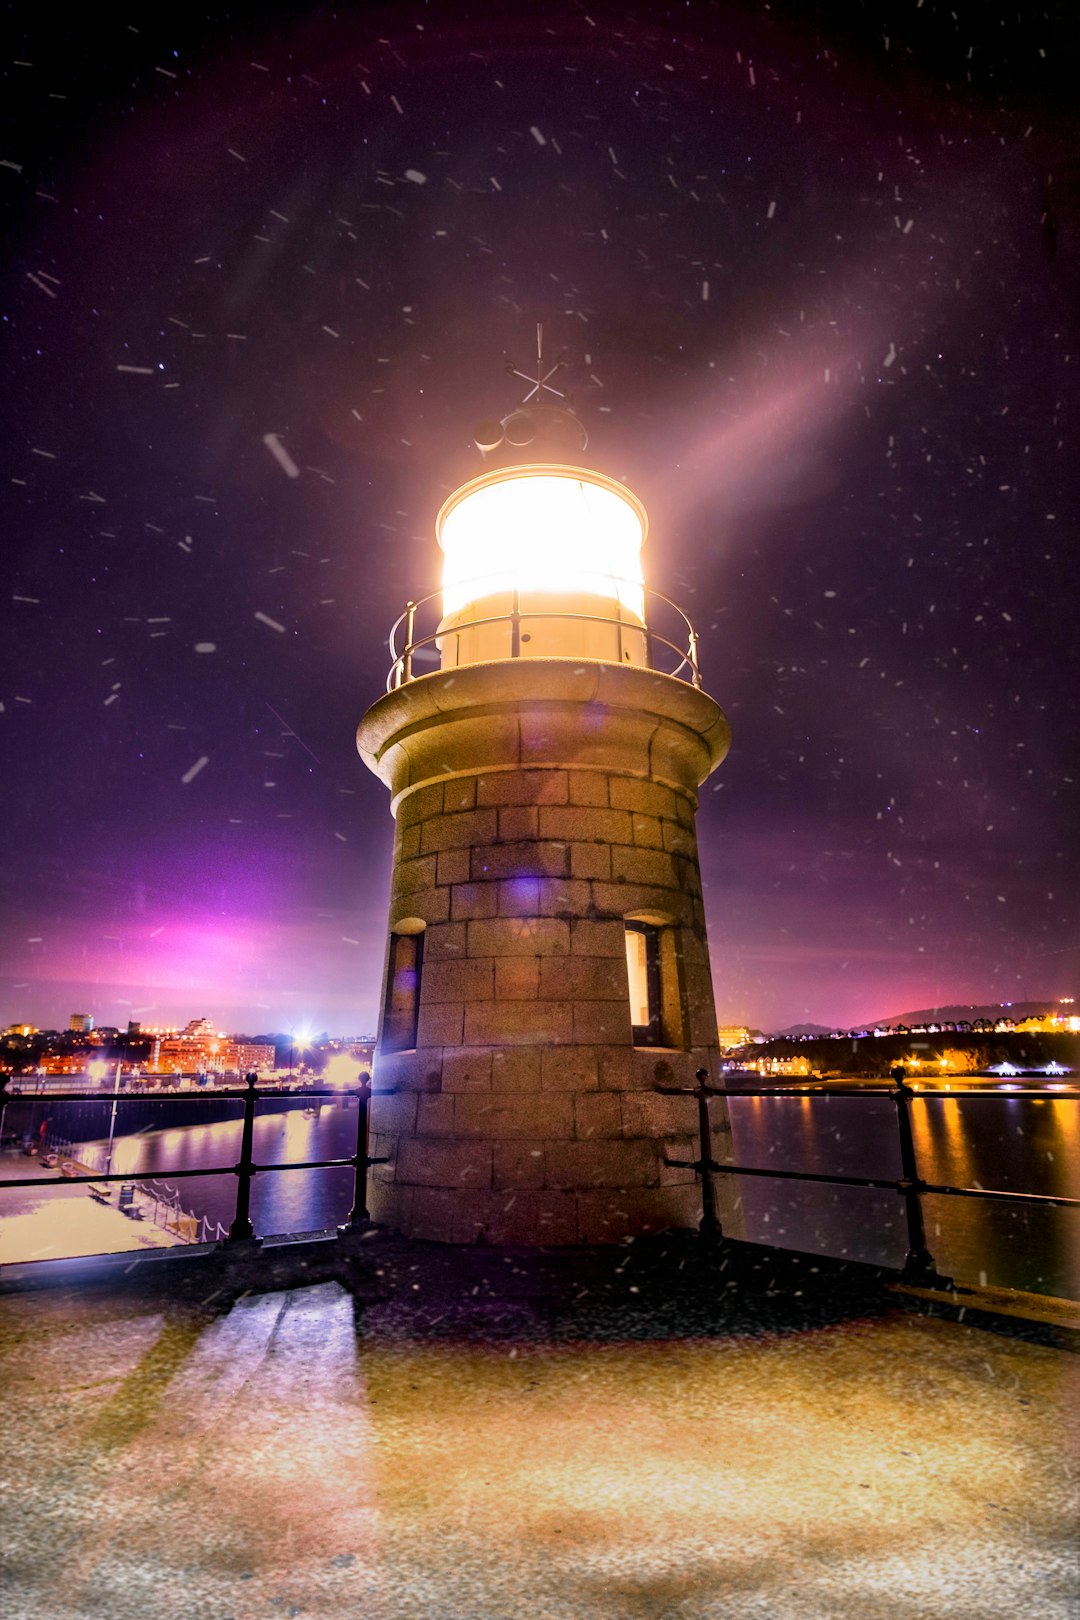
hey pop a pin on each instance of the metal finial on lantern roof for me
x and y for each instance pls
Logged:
(548, 429)
(540, 383)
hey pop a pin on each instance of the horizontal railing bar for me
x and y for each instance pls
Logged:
(149, 1175)
(995, 1194)
(540, 590)
(1031, 1093)
(117, 1175)
(788, 1175)
(304, 1164)
(526, 614)
(872, 1181)
(228, 1093)
(769, 1091)
(598, 573)
(538, 613)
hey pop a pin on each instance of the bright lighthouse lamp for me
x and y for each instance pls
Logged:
(545, 529)
(558, 546)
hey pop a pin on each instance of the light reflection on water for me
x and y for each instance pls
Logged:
(281, 1201)
(1010, 1143)
(1007, 1144)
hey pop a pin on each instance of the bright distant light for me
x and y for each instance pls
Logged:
(341, 1070)
(97, 1071)
(545, 532)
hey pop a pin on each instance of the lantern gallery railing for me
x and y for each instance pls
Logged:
(919, 1266)
(416, 654)
(245, 1169)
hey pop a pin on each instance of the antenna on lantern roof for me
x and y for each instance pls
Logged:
(540, 382)
(548, 430)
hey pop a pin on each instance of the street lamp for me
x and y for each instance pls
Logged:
(97, 1072)
(303, 1041)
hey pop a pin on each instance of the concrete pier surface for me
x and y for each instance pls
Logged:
(386, 1429)
(55, 1218)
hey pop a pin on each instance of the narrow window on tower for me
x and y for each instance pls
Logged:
(643, 977)
(402, 1007)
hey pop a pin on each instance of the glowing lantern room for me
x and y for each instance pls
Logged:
(542, 560)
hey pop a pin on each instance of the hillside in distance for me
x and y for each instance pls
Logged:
(803, 1029)
(959, 1012)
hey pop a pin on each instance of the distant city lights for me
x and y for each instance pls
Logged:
(341, 1070)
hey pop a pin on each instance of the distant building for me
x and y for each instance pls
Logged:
(81, 1023)
(199, 1029)
(199, 1049)
(773, 1065)
(249, 1056)
(62, 1063)
(1049, 1024)
(732, 1035)
(184, 1053)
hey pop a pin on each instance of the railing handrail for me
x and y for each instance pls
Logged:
(401, 661)
(8, 1095)
(880, 1089)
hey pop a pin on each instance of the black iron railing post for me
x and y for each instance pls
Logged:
(358, 1215)
(919, 1264)
(241, 1228)
(515, 624)
(710, 1227)
(410, 630)
(695, 673)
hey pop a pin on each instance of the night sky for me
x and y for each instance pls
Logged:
(815, 269)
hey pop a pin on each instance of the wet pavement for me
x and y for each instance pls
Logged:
(385, 1429)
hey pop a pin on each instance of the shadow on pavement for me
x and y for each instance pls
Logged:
(667, 1287)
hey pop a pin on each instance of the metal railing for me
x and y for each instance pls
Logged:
(245, 1169)
(919, 1266)
(685, 657)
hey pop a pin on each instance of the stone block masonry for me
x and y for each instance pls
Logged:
(526, 1113)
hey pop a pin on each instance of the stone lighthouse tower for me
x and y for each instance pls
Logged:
(547, 965)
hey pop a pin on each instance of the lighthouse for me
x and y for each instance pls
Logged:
(543, 737)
